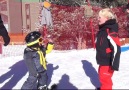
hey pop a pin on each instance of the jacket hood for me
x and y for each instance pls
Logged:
(111, 24)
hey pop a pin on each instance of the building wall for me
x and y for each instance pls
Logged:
(20, 15)
(14, 16)
(3, 10)
(30, 13)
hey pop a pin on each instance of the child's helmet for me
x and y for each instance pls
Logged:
(32, 38)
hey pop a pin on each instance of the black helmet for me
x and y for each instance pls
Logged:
(32, 36)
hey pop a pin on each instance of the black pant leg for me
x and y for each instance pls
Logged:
(43, 79)
(29, 83)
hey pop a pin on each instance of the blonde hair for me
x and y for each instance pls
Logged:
(107, 13)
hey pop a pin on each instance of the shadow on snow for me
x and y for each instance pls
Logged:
(65, 84)
(17, 71)
(91, 72)
(50, 70)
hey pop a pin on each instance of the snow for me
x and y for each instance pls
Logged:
(6, 26)
(72, 69)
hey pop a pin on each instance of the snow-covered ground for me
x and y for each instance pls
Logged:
(72, 69)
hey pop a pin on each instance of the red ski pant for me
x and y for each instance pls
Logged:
(105, 75)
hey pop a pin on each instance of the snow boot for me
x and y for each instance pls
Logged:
(43, 87)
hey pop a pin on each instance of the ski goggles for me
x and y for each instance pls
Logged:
(39, 40)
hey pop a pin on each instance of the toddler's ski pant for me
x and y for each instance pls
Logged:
(32, 81)
(105, 75)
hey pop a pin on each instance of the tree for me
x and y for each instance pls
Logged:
(101, 3)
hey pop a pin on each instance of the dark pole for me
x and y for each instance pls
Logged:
(21, 16)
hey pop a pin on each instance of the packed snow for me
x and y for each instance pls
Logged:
(71, 69)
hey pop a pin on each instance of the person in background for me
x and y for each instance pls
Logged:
(34, 56)
(107, 47)
(46, 19)
(4, 33)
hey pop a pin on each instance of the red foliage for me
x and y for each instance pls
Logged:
(72, 28)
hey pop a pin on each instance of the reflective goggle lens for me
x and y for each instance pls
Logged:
(40, 39)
